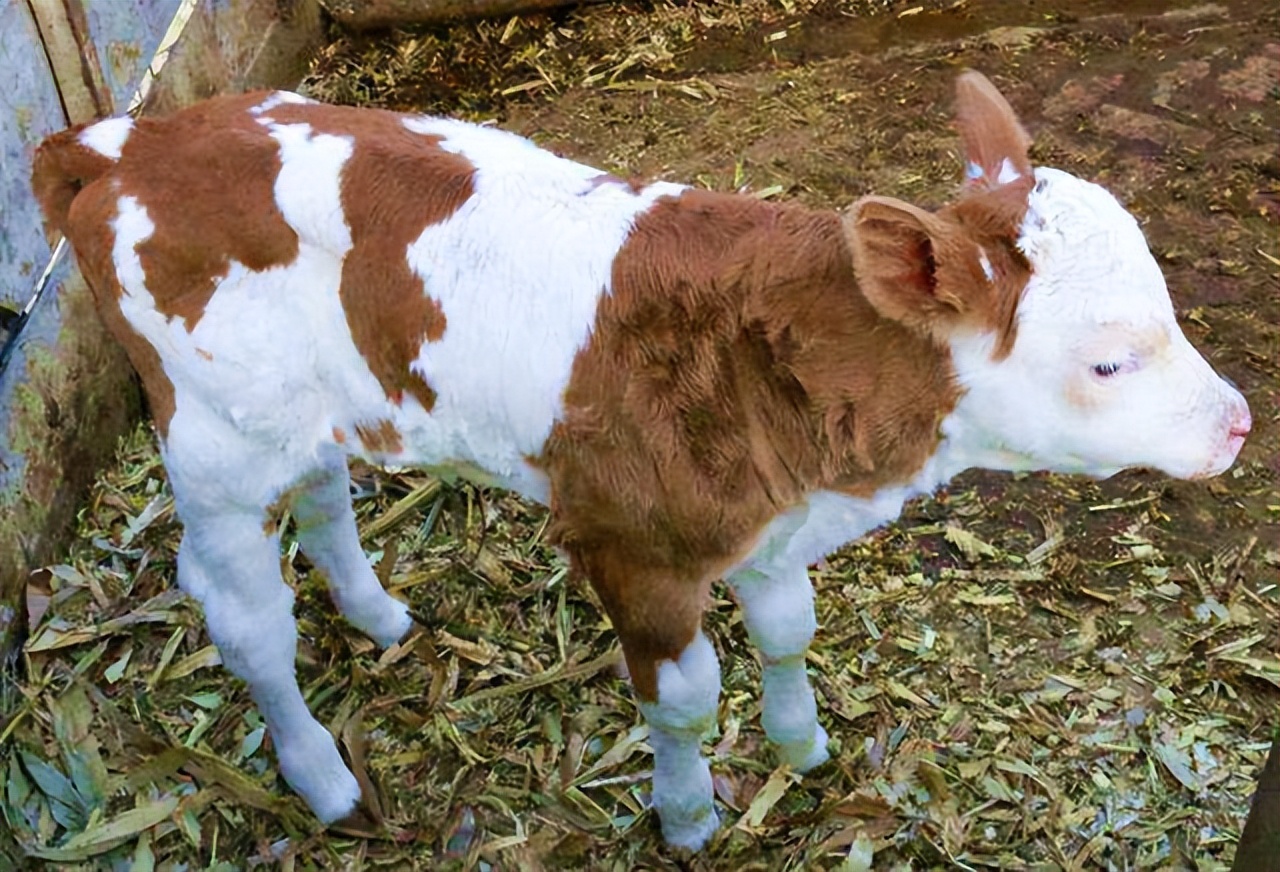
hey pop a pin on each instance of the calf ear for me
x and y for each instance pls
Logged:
(911, 265)
(995, 144)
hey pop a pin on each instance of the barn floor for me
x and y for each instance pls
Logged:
(1024, 673)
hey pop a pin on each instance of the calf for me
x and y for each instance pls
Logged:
(699, 385)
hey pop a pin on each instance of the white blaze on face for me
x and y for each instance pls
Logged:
(1100, 377)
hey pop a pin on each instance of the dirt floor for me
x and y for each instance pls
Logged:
(1032, 672)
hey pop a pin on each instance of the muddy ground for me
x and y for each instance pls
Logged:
(1025, 672)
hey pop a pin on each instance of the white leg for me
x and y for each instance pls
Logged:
(778, 611)
(688, 689)
(232, 566)
(327, 535)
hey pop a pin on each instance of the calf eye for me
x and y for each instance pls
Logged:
(1105, 369)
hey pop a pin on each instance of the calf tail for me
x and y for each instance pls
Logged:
(63, 166)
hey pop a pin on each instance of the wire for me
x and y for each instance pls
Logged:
(15, 326)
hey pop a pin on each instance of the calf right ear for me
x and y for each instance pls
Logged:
(911, 265)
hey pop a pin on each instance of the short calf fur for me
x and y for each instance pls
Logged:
(699, 386)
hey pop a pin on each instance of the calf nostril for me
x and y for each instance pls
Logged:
(1242, 425)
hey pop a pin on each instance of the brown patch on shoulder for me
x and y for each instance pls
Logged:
(88, 226)
(380, 437)
(735, 367)
(395, 185)
(206, 177)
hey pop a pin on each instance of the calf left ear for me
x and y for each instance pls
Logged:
(995, 143)
(913, 266)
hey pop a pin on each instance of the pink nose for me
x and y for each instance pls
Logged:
(1242, 425)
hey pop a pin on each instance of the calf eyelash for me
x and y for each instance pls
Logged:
(1106, 369)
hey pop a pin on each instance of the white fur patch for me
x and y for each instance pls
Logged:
(777, 607)
(518, 271)
(308, 188)
(107, 137)
(279, 98)
(688, 692)
(986, 266)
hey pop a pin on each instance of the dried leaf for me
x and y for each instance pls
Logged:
(765, 799)
(970, 545)
(108, 834)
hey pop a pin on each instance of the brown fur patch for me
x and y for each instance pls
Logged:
(88, 226)
(395, 184)
(380, 437)
(735, 367)
(993, 220)
(60, 169)
(206, 177)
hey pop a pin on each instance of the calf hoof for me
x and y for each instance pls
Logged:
(691, 831)
(391, 624)
(805, 756)
(363, 821)
(310, 762)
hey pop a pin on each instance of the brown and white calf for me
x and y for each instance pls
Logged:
(699, 385)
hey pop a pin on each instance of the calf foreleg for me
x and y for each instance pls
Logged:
(677, 679)
(777, 607)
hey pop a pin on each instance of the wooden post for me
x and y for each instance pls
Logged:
(1259, 848)
(72, 59)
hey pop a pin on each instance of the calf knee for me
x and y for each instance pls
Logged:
(688, 690)
(778, 612)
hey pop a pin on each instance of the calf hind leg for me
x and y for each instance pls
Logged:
(232, 566)
(326, 530)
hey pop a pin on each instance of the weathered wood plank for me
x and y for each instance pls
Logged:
(29, 111)
(1259, 847)
(72, 58)
(235, 46)
(126, 34)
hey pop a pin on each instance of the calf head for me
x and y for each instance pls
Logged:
(1057, 319)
